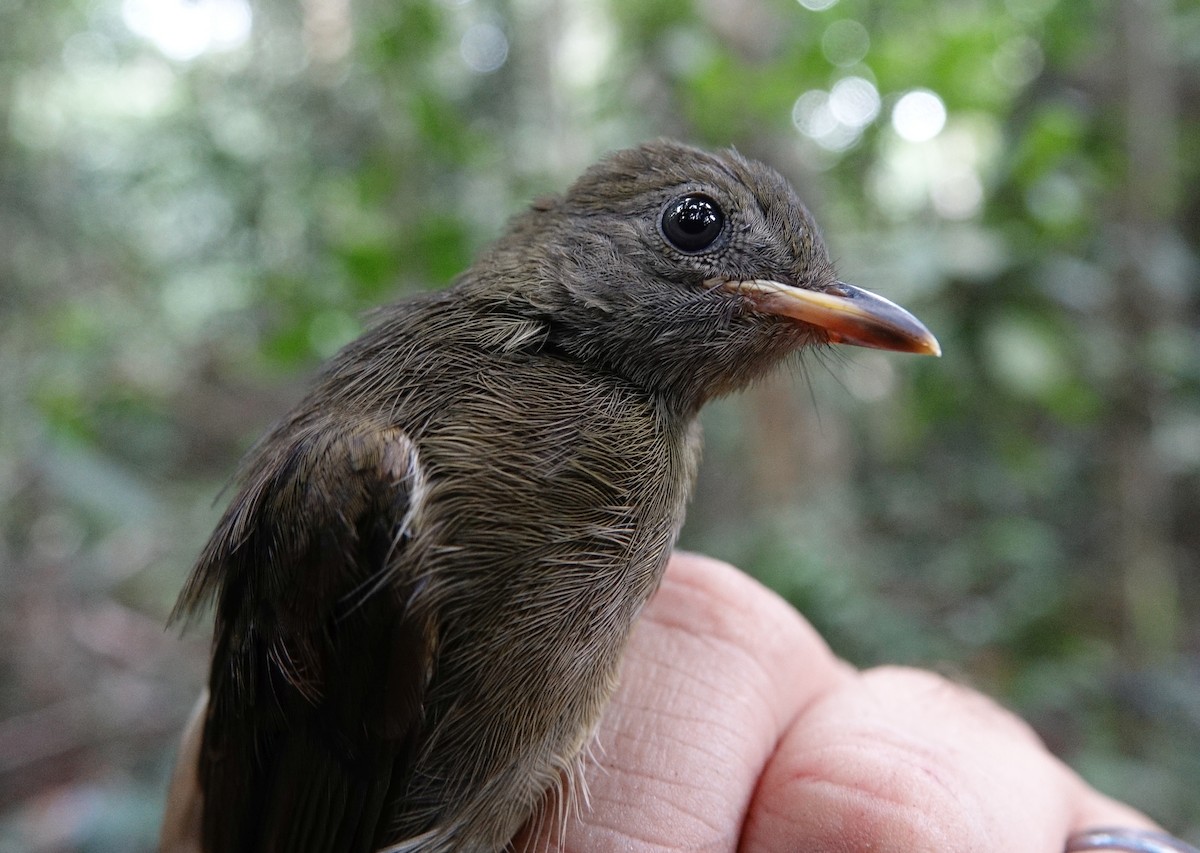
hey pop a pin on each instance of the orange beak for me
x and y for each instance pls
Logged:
(847, 314)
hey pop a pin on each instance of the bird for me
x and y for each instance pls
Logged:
(424, 581)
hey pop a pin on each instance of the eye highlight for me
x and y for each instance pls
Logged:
(693, 223)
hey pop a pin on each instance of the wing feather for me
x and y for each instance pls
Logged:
(322, 652)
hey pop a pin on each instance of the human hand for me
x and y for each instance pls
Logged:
(736, 728)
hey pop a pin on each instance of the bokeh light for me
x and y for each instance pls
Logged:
(836, 119)
(184, 29)
(845, 43)
(484, 47)
(854, 101)
(919, 115)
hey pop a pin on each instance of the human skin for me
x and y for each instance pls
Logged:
(735, 727)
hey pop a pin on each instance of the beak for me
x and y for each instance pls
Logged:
(847, 314)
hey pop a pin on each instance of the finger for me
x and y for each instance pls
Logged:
(1091, 809)
(717, 669)
(903, 760)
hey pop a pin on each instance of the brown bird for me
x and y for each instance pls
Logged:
(425, 581)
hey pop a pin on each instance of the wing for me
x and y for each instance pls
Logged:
(321, 653)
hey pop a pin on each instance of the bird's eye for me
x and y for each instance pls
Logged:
(693, 223)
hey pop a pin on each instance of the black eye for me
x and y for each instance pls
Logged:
(692, 223)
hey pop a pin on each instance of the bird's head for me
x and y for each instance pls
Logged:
(691, 273)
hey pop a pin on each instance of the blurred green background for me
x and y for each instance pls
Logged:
(200, 198)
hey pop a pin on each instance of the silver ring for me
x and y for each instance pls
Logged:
(1130, 840)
